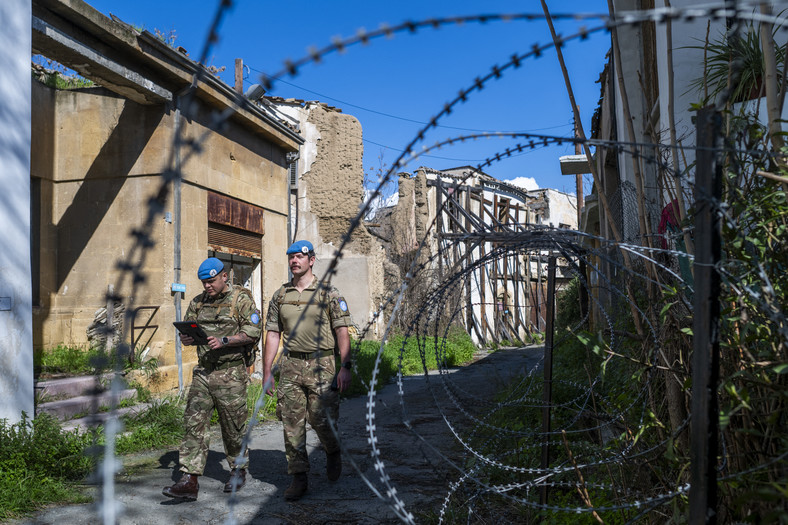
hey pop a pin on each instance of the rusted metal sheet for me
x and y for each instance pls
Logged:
(232, 212)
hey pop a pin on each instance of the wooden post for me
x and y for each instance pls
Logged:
(468, 295)
(583, 283)
(110, 320)
(705, 325)
(483, 290)
(439, 227)
(239, 75)
(547, 389)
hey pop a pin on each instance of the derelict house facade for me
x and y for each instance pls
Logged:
(503, 292)
(98, 159)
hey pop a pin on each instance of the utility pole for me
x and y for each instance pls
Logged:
(239, 75)
(578, 179)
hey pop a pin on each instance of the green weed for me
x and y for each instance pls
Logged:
(67, 360)
(159, 426)
(418, 354)
(40, 464)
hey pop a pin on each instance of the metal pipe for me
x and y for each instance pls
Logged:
(176, 204)
(547, 389)
(704, 424)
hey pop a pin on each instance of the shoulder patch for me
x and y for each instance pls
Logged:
(343, 305)
(255, 317)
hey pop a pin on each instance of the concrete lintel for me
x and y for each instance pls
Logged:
(574, 164)
(95, 66)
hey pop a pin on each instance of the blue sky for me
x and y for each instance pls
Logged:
(394, 86)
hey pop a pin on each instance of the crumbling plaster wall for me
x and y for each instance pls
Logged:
(334, 179)
(414, 213)
(562, 208)
(403, 218)
(330, 192)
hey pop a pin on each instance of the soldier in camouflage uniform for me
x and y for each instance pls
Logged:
(313, 323)
(228, 315)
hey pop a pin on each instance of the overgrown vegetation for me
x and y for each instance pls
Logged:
(40, 464)
(581, 364)
(158, 426)
(632, 392)
(55, 75)
(66, 360)
(417, 355)
(742, 54)
(754, 337)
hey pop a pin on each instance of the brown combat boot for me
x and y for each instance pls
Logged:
(297, 488)
(186, 488)
(237, 477)
(334, 465)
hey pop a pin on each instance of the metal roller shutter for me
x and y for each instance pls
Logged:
(227, 239)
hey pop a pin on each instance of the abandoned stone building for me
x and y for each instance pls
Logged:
(326, 191)
(503, 298)
(99, 156)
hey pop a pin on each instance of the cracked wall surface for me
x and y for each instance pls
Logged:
(328, 198)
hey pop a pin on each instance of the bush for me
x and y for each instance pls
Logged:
(364, 355)
(268, 409)
(418, 354)
(61, 360)
(44, 447)
(22, 490)
(39, 463)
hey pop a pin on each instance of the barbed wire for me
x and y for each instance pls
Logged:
(571, 245)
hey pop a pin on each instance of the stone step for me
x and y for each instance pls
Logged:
(56, 389)
(65, 409)
(85, 423)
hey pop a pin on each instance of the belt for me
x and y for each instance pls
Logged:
(222, 366)
(312, 355)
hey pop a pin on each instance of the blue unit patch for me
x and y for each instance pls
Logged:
(343, 306)
(255, 318)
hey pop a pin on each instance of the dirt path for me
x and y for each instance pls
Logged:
(416, 469)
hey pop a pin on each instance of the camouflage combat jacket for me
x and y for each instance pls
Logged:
(322, 312)
(226, 314)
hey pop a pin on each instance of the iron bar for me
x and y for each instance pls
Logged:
(547, 389)
(706, 345)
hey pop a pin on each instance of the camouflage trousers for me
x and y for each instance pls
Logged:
(224, 390)
(304, 394)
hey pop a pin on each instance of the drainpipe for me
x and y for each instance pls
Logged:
(176, 203)
(292, 162)
(289, 215)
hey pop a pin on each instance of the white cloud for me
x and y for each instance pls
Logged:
(379, 202)
(527, 183)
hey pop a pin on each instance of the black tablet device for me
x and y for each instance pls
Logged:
(191, 328)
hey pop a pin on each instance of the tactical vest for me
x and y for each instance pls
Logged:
(248, 352)
(322, 293)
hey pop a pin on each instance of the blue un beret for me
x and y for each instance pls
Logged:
(300, 247)
(210, 267)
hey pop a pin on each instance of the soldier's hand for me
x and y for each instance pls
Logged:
(214, 343)
(344, 378)
(268, 384)
(186, 339)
